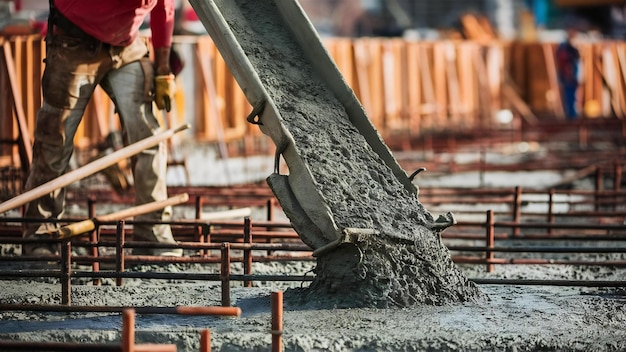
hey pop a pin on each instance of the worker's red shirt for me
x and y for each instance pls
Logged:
(117, 22)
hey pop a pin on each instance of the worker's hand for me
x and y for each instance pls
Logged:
(164, 89)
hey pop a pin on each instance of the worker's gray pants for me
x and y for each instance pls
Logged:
(73, 70)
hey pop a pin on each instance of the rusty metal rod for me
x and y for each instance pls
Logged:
(478, 260)
(205, 340)
(247, 254)
(537, 249)
(119, 251)
(541, 282)
(128, 330)
(176, 310)
(66, 273)
(57, 346)
(225, 274)
(277, 321)
(509, 224)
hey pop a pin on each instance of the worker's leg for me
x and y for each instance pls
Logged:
(69, 79)
(126, 85)
(569, 92)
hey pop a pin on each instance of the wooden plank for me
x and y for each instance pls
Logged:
(494, 65)
(456, 105)
(599, 92)
(555, 99)
(429, 107)
(467, 83)
(621, 60)
(619, 87)
(609, 73)
(375, 72)
(24, 139)
(341, 51)
(483, 87)
(518, 103)
(6, 110)
(204, 52)
(587, 67)
(361, 58)
(392, 81)
(413, 87)
(31, 109)
(209, 81)
(440, 83)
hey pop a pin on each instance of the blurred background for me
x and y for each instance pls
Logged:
(425, 72)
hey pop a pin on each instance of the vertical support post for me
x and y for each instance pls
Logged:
(119, 251)
(517, 210)
(128, 330)
(550, 209)
(200, 237)
(277, 321)
(25, 145)
(617, 175)
(451, 141)
(270, 217)
(247, 253)
(94, 239)
(225, 274)
(617, 183)
(599, 187)
(66, 267)
(205, 340)
(206, 232)
(489, 240)
(481, 166)
(582, 135)
(270, 209)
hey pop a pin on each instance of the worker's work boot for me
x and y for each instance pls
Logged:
(156, 234)
(40, 249)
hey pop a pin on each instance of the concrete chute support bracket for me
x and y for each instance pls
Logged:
(298, 193)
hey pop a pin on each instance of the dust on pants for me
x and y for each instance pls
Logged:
(73, 70)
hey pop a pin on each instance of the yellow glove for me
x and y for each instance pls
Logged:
(164, 88)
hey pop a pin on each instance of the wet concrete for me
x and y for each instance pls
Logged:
(404, 262)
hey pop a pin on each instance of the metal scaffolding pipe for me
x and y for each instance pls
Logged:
(89, 169)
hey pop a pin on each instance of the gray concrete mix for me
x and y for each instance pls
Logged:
(514, 318)
(402, 260)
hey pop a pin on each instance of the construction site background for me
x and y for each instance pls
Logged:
(418, 68)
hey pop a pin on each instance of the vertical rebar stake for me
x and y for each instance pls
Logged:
(205, 340)
(490, 241)
(599, 187)
(128, 330)
(119, 251)
(94, 239)
(247, 253)
(517, 210)
(550, 210)
(277, 321)
(225, 274)
(66, 267)
(198, 233)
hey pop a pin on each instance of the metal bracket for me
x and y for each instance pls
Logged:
(254, 116)
(348, 235)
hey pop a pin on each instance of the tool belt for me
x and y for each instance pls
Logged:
(67, 28)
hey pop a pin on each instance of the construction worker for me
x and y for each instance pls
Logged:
(93, 43)
(567, 61)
